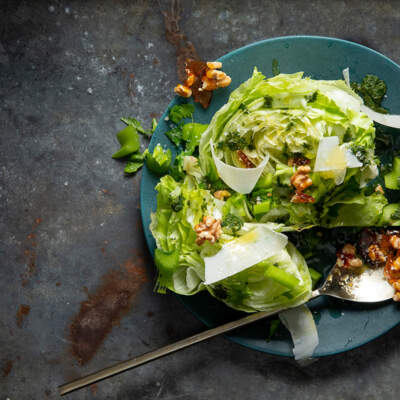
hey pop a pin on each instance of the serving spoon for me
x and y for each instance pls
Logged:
(367, 286)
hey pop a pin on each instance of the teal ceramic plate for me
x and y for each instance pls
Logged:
(341, 326)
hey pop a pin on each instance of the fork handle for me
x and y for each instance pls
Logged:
(163, 351)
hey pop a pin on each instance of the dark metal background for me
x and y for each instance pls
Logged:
(68, 216)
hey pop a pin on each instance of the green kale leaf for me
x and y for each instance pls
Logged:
(372, 90)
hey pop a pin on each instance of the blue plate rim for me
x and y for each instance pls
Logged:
(147, 238)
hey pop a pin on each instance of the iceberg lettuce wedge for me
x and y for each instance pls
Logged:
(283, 118)
(282, 279)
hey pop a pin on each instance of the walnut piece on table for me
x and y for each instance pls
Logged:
(202, 78)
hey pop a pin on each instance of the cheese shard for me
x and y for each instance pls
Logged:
(351, 159)
(243, 252)
(346, 76)
(333, 160)
(329, 155)
(391, 120)
(301, 325)
(242, 180)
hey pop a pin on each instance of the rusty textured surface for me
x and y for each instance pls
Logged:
(68, 71)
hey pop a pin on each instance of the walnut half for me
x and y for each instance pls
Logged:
(347, 258)
(221, 194)
(201, 79)
(300, 179)
(208, 229)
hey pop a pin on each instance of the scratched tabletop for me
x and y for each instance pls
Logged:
(76, 279)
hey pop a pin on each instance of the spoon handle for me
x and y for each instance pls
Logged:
(163, 351)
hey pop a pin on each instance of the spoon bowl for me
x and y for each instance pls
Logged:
(364, 286)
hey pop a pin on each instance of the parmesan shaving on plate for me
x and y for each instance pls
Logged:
(384, 119)
(333, 160)
(346, 76)
(242, 180)
(243, 252)
(301, 325)
(391, 120)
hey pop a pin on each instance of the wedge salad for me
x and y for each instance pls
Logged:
(284, 154)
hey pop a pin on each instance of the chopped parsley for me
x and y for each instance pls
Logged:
(135, 162)
(177, 203)
(138, 126)
(289, 126)
(348, 137)
(361, 153)
(131, 167)
(184, 133)
(312, 98)
(175, 135)
(130, 144)
(176, 169)
(234, 142)
(275, 67)
(244, 108)
(268, 101)
(179, 112)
